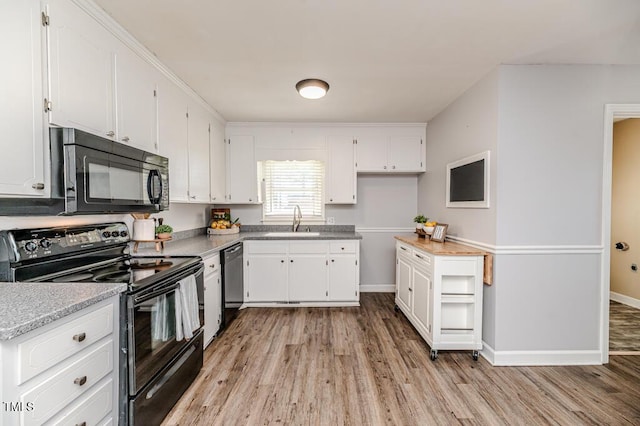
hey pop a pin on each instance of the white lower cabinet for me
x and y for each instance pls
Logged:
(441, 295)
(65, 372)
(302, 272)
(212, 297)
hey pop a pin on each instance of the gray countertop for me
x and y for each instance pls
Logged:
(206, 245)
(27, 306)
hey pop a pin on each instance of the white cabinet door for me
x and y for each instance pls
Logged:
(371, 154)
(172, 136)
(343, 278)
(421, 308)
(22, 165)
(341, 173)
(212, 305)
(218, 163)
(81, 70)
(403, 282)
(242, 184)
(136, 84)
(198, 154)
(405, 154)
(308, 278)
(266, 278)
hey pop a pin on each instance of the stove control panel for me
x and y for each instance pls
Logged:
(39, 243)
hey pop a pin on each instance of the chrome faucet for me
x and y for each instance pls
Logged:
(297, 218)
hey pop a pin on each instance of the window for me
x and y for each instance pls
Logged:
(286, 184)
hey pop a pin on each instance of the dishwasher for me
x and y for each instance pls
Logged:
(232, 283)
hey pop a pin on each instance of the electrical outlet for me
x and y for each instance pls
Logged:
(331, 220)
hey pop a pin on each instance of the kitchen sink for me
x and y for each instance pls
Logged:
(291, 234)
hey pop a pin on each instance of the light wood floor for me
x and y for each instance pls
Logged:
(367, 366)
(624, 327)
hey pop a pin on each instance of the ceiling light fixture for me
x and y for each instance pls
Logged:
(312, 88)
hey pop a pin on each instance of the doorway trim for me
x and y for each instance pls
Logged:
(611, 112)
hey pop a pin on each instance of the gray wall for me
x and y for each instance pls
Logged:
(545, 225)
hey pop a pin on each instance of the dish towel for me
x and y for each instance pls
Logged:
(187, 309)
(159, 321)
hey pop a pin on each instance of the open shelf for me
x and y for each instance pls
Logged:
(458, 284)
(457, 316)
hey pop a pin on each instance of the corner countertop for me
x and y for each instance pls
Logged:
(207, 245)
(447, 248)
(27, 306)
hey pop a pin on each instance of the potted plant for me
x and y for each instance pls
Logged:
(163, 232)
(420, 220)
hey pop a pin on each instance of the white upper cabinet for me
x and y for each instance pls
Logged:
(198, 154)
(136, 84)
(218, 163)
(390, 154)
(242, 180)
(406, 154)
(340, 178)
(172, 136)
(81, 73)
(371, 154)
(22, 167)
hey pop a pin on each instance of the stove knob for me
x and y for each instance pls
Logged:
(44, 243)
(115, 234)
(123, 233)
(106, 234)
(30, 246)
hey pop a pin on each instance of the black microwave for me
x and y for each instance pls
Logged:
(103, 176)
(94, 175)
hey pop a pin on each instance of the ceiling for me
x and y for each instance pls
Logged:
(386, 61)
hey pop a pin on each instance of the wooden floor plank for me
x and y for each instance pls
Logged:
(368, 366)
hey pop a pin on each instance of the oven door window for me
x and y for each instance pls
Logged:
(153, 337)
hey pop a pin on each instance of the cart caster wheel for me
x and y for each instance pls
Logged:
(395, 308)
(434, 355)
(475, 355)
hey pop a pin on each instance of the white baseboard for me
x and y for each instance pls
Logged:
(539, 358)
(377, 288)
(625, 300)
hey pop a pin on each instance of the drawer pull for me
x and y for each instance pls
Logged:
(403, 248)
(79, 337)
(81, 424)
(80, 380)
(418, 256)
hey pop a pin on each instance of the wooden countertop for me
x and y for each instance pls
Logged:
(449, 248)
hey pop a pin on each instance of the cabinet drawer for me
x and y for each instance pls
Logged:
(265, 247)
(211, 264)
(42, 352)
(91, 408)
(343, 247)
(403, 250)
(422, 258)
(458, 267)
(308, 247)
(65, 386)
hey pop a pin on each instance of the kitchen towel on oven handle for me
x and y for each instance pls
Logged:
(187, 313)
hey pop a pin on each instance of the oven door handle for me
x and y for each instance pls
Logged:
(163, 290)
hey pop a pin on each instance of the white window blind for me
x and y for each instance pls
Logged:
(290, 183)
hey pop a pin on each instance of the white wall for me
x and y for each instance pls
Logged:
(545, 129)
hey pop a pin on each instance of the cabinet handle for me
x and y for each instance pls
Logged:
(111, 133)
(410, 289)
(291, 260)
(282, 261)
(418, 256)
(39, 186)
(79, 337)
(81, 424)
(333, 260)
(330, 199)
(402, 248)
(393, 167)
(193, 197)
(385, 167)
(80, 380)
(125, 139)
(249, 199)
